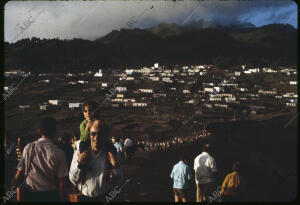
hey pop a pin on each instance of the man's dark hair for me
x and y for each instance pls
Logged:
(47, 126)
(183, 157)
(93, 105)
(236, 166)
(206, 148)
(116, 138)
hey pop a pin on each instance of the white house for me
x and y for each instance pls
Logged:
(132, 100)
(221, 106)
(217, 89)
(215, 99)
(159, 95)
(44, 107)
(117, 100)
(154, 78)
(99, 73)
(129, 71)
(208, 90)
(190, 102)
(44, 81)
(74, 105)
(230, 99)
(121, 89)
(82, 82)
(104, 85)
(139, 104)
(146, 90)
(208, 105)
(186, 91)
(119, 95)
(269, 70)
(168, 80)
(237, 73)
(55, 102)
(130, 78)
(156, 65)
(291, 104)
(23, 107)
(267, 92)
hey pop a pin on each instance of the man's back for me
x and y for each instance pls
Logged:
(181, 174)
(47, 165)
(204, 166)
(233, 184)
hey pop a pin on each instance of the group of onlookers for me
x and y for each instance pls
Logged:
(92, 163)
(48, 163)
(205, 170)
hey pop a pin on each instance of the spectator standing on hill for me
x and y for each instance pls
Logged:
(233, 185)
(90, 170)
(44, 166)
(19, 148)
(118, 146)
(205, 174)
(181, 175)
(129, 148)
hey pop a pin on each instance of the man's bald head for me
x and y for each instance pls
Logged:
(97, 135)
(97, 123)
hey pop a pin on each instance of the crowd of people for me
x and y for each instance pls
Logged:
(46, 166)
(166, 143)
(90, 163)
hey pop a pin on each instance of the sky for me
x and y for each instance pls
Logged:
(94, 19)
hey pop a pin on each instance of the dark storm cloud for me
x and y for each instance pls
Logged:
(93, 19)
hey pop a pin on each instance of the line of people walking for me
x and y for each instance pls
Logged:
(205, 172)
(151, 145)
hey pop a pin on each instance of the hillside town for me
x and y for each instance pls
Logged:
(240, 91)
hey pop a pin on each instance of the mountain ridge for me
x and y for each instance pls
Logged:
(273, 44)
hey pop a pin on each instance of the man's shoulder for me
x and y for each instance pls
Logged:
(198, 156)
(27, 146)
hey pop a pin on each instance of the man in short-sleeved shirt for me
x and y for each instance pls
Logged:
(205, 173)
(181, 174)
(45, 165)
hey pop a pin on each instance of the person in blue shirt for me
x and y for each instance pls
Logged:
(116, 142)
(181, 175)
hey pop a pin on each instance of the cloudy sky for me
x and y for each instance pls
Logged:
(93, 19)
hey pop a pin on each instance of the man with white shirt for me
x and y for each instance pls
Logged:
(205, 173)
(90, 170)
(44, 166)
(129, 147)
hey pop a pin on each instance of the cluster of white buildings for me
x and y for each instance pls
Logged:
(211, 93)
